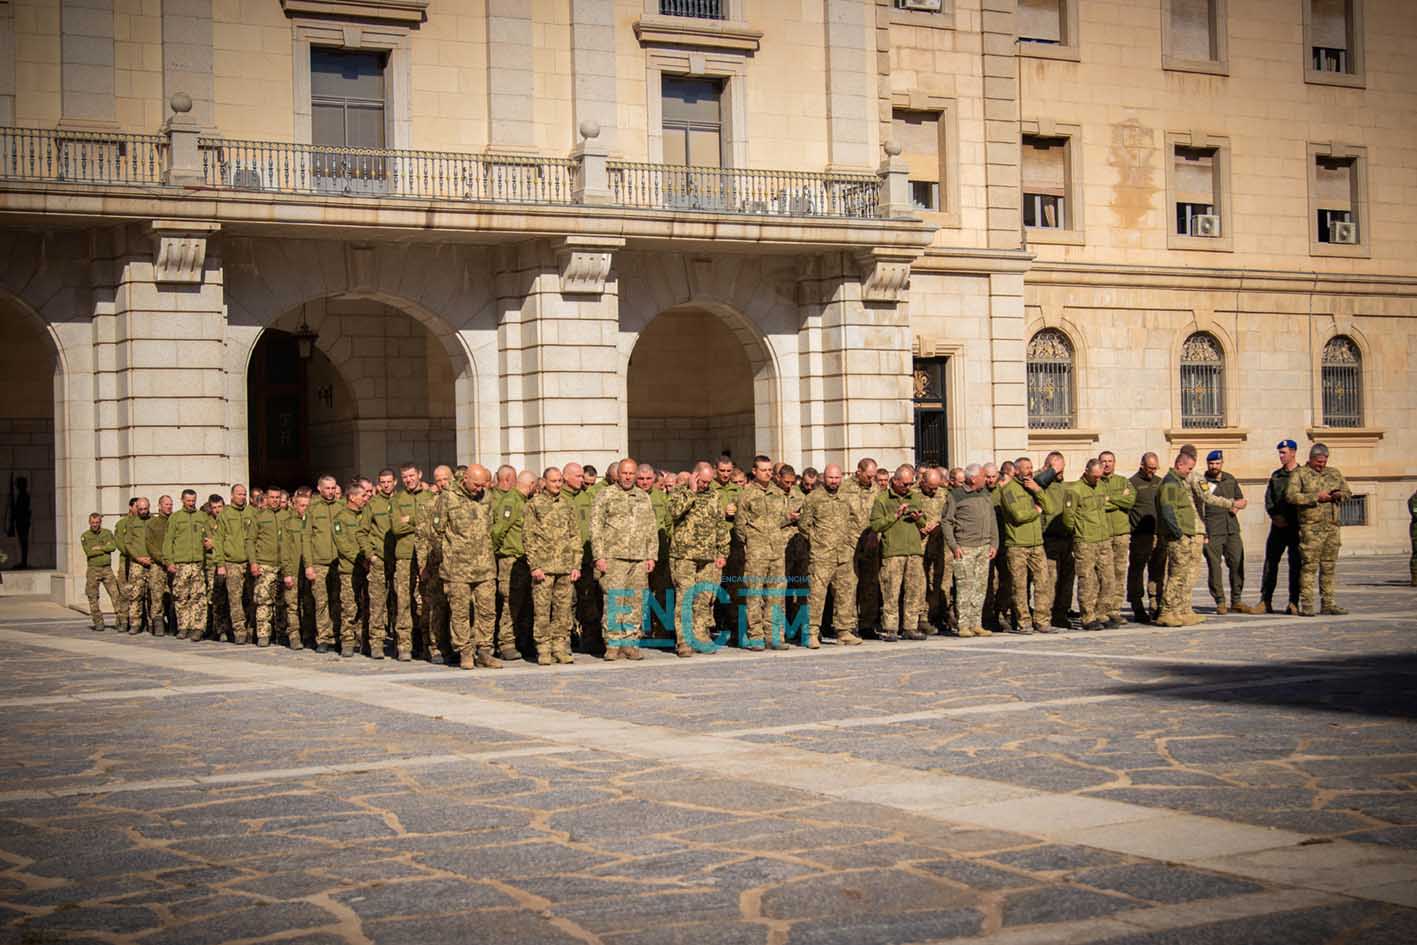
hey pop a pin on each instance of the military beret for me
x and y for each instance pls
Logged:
(1213, 455)
(1287, 445)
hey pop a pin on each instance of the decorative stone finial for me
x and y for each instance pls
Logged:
(892, 148)
(180, 102)
(590, 129)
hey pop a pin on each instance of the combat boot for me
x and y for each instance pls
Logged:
(965, 632)
(543, 658)
(1025, 629)
(1169, 620)
(847, 638)
(1221, 608)
(983, 632)
(561, 653)
(814, 640)
(612, 653)
(633, 652)
(1191, 619)
(263, 642)
(1333, 609)
(405, 656)
(684, 650)
(510, 653)
(914, 635)
(485, 659)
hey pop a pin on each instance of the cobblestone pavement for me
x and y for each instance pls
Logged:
(1250, 780)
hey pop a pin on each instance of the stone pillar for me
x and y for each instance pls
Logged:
(593, 66)
(510, 76)
(850, 94)
(558, 331)
(855, 360)
(87, 77)
(187, 55)
(1001, 123)
(7, 62)
(1007, 363)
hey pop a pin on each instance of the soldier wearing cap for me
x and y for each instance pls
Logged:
(1283, 531)
(1223, 543)
(1317, 489)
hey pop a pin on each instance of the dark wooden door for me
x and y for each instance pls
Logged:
(278, 413)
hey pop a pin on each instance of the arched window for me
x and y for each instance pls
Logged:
(1051, 404)
(1202, 382)
(1342, 382)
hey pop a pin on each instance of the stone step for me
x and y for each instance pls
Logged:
(42, 585)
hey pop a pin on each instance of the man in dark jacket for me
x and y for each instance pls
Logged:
(1283, 531)
(1223, 541)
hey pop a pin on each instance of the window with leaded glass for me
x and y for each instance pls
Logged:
(1342, 381)
(932, 439)
(1202, 382)
(1051, 401)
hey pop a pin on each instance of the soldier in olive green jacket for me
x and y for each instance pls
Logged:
(292, 559)
(1086, 518)
(899, 516)
(322, 558)
(184, 550)
(263, 555)
(1121, 497)
(513, 576)
(99, 544)
(348, 529)
(232, 557)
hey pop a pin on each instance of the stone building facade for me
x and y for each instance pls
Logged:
(256, 239)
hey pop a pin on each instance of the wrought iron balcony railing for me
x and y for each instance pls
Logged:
(273, 167)
(701, 9)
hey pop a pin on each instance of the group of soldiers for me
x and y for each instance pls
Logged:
(486, 567)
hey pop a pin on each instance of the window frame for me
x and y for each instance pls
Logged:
(1221, 385)
(1220, 65)
(1071, 375)
(1360, 372)
(1069, 50)
(1358, 200)
(732, 70)
(389, 39)
(1356, 77)
(1220, 192)
(1075, 233)
(947, 117)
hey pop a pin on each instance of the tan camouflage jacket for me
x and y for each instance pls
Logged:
(699, 530)
(762, 521)
(623, 526)
(427, 525)
(830, 524)
(551, 533)
(463, 532)
(1303, 493)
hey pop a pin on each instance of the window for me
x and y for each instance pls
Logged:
(1353, 512)
(1048, 28)
(922, 6)
(1337, 197)
(702, 9)
(1193, 36)
(693, 122)
(1342, 382)
(1197, 177)
(918, 134)
(1333, 38)
(1202, 382)
(1045, 182)
(347, 98)
(1051, 404)
(932, 441)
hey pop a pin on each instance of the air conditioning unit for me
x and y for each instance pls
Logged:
(1205, 224)
(927, 6)
(246, 179)
(1342, 231)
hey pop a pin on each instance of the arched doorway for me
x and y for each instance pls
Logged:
(377, 389)
(29, 488)
(698, 388)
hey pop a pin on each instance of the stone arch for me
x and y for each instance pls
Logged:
(1368, 373)
(1230, 363)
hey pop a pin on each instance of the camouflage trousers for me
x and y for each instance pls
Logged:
(512, 600)
(1183, 557)
(1146, 570)
(693, 602)
(473, 614)
(434, 603)
(1092, 560)
(1318, 554)
(765, 594)
(624, 584)
(902, 575)
(264, 588)
(840, 579)
(1060, 565)
(291, 595)
(137, 591)
(189, 597)
(102, 575)
(378, 603)
(410, 606)
(320, 591)
(1027, 564)
(159, 586)
(347, 627)
(998, 599)
(1121, 565)
(971, 586)
(214, 620)
(554, 600)
(235, 581)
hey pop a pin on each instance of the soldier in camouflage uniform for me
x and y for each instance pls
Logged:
(378, 558)
(1025, 505)
(1086, 518)
(322, 558)
(551, 537)
(125, 563)
(1120, 499)
(229, 551)
(99, 544)
(861, 490)
(292, 553)
(468, 568)
(698, 549)
(624, 540)
(431, 596)
(140, 564)
(832, 525)
(1177, 518)
(263, 553)
(724, 487)
(1316, 490)
(901, 520)
(764, 522)
(972, 537)
(513, 575)
(159, 578)
(938, 562)
(215, 621)
(184, 548)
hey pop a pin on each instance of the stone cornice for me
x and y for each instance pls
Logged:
(386, 11)
(1052, 273)
(689, 32)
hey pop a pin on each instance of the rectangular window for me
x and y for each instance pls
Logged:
(918, 134)
(347, 98)
(932, 440)
(1333, 37)
(1337, 191)
(701, 9)
(1044, 176)
(1042, 21)
(1354, 511)
(1196, 180)
(1193, 36)
(693, 122)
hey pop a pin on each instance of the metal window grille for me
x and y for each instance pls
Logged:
(1202, 382)
(702, 9)
(1051, 404)
(1354, 511)
(932, 440)
(1342, 381)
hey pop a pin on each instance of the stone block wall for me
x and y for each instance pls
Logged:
(678, 442)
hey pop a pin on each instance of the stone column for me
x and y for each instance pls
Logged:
(87, 77)
(187, 55)
(850, 93)
(558, 330)
(1001, 123)
(7, 62)
(510, 76)
(593, 66)
(855, 360)
(1007, 363)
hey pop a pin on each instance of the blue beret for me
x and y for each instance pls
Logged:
(1287, 445)
(1213, 455)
